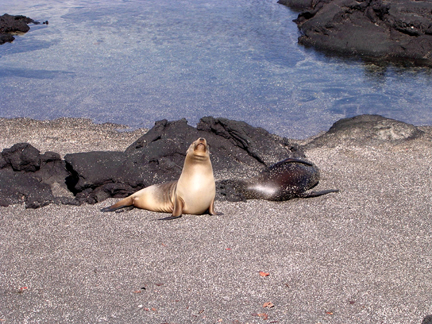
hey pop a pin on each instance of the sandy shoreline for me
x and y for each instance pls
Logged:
(66, 135)
(362, 255)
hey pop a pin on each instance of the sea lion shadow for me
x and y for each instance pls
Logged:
(119, 210)
(177, 217)
(169, 218)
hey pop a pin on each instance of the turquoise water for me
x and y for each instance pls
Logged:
(135, 62)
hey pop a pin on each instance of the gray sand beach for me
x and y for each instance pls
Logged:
(362, 255)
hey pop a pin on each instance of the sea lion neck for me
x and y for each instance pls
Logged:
(197, 158)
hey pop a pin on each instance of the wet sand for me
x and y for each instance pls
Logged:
(362, 255)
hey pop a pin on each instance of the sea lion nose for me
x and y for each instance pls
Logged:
(201, 139)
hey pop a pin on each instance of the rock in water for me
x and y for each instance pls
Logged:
(382, 31)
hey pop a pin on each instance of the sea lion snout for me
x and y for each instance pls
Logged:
(200, 144)
(201, 141)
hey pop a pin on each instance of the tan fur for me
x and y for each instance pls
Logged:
(193, 193)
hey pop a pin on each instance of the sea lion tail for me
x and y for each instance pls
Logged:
(128, 201)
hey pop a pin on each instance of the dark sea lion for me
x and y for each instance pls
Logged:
(193, 193)
(287, 179)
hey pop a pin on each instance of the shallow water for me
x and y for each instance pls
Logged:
(135, 62)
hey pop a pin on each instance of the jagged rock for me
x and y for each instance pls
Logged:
(231, 143)
(12, 24)
(22, 157)
(245, 143)
(96, 176)
(109, 190)
(92, 169)
(382, 31)
(158, 156)
(52, 170)
(26, 175)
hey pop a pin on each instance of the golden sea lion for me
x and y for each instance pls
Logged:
(193, 193)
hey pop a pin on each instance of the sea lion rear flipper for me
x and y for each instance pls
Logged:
(128, 201)
(316, 193)
(178, 206)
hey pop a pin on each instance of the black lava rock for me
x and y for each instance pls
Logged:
(12, 24)
(17, 187)
(22, 157)
(399, 30)
(28, 176)
(158, 156)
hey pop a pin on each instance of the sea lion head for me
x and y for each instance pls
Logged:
(199, 148)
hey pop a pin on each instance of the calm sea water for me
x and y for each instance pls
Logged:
(135, 62)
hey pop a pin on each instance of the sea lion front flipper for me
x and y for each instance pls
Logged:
(178, 206)
(211, 209)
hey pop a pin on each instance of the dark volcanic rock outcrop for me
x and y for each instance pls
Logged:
(396, 30)
(156, 157)
(10, 25)
(16, 188)
(28, 176)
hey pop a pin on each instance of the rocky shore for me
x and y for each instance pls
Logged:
(158, 155)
